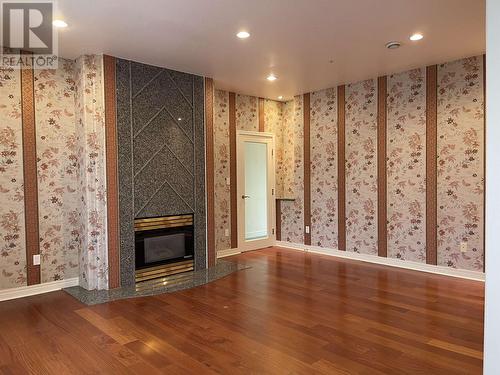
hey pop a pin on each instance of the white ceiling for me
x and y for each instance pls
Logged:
(294, 39)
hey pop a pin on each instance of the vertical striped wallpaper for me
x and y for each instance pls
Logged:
(292, 211)
(52, 175)
(460, 163)
(209, 170)
(12, 210)
(382, 166)
(432, 136)
(406, 165)
(57, 172)
(361, 167)
(410, 118)
(324, 171)
(431, 166)
(30, 174)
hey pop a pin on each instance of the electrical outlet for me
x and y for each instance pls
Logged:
(308, 230)
(463, 247)
(228, 181)
(36, 259)
(226, 232)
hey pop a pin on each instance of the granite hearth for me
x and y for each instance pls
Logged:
(190, 280)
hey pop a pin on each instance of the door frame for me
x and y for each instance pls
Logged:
(268, 138)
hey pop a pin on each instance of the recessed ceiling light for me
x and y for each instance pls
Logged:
(59, 23)
(271, 77)
(416, 37)
(179, 119)
(280, 97)
(393, 45)
(243, 34)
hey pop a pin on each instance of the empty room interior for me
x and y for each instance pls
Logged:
(250, 187)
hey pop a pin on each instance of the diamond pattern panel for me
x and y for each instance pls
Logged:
(163, 141)
(162, 93)
(163, 131)
(160, 117)
(163, 169)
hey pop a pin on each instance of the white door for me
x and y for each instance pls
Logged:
(256, 202)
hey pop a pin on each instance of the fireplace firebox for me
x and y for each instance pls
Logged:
(163, 241)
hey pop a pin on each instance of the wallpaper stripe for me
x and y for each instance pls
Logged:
(278, 219)
(382, 165)
(59, 207)
(210, 174)
(30, 174)
(233, 172)
(484, 164)
(307, 168)
(415, 113)
(261, 115)
(361, 167)
(460, 163)
(324, 209)
(292, 211)
(111, 171)
(341, 166)
(405, 172)
(431, 164)
(12, 236)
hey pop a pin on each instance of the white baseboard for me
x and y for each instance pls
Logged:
(440, 270)
(227, 253)
(25, 291)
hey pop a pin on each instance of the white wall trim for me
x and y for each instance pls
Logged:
(227, 253)
(492, 302)
(392, 262)
(268, 238)
(25, 291)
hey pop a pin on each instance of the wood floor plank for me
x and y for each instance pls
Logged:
(290, 312)
(456, 348)
(107, 326)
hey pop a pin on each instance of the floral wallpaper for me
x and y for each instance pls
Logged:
(221, 169)
(324, 218)
(406, 165)
(286, 167)
(247, 118)
(69, 107)
(292, 211)
(361, 167)
(12, 233)
(89, 114)
(69, 119)
(247, 113)
(273, 118)
(461, 163)
(57, 156)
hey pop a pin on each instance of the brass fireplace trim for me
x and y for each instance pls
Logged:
(141, 225)
(163, 270)
(151, 285)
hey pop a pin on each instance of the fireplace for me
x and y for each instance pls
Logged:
(163, 246)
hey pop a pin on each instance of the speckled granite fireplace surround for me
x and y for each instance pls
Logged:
(161, 153)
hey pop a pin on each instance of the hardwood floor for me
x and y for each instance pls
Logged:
(291, 312)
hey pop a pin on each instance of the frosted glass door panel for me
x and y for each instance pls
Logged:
(255, 191)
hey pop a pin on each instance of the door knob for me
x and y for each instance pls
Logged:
(245, 196)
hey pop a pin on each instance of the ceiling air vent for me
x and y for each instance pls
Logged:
(393, 45)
